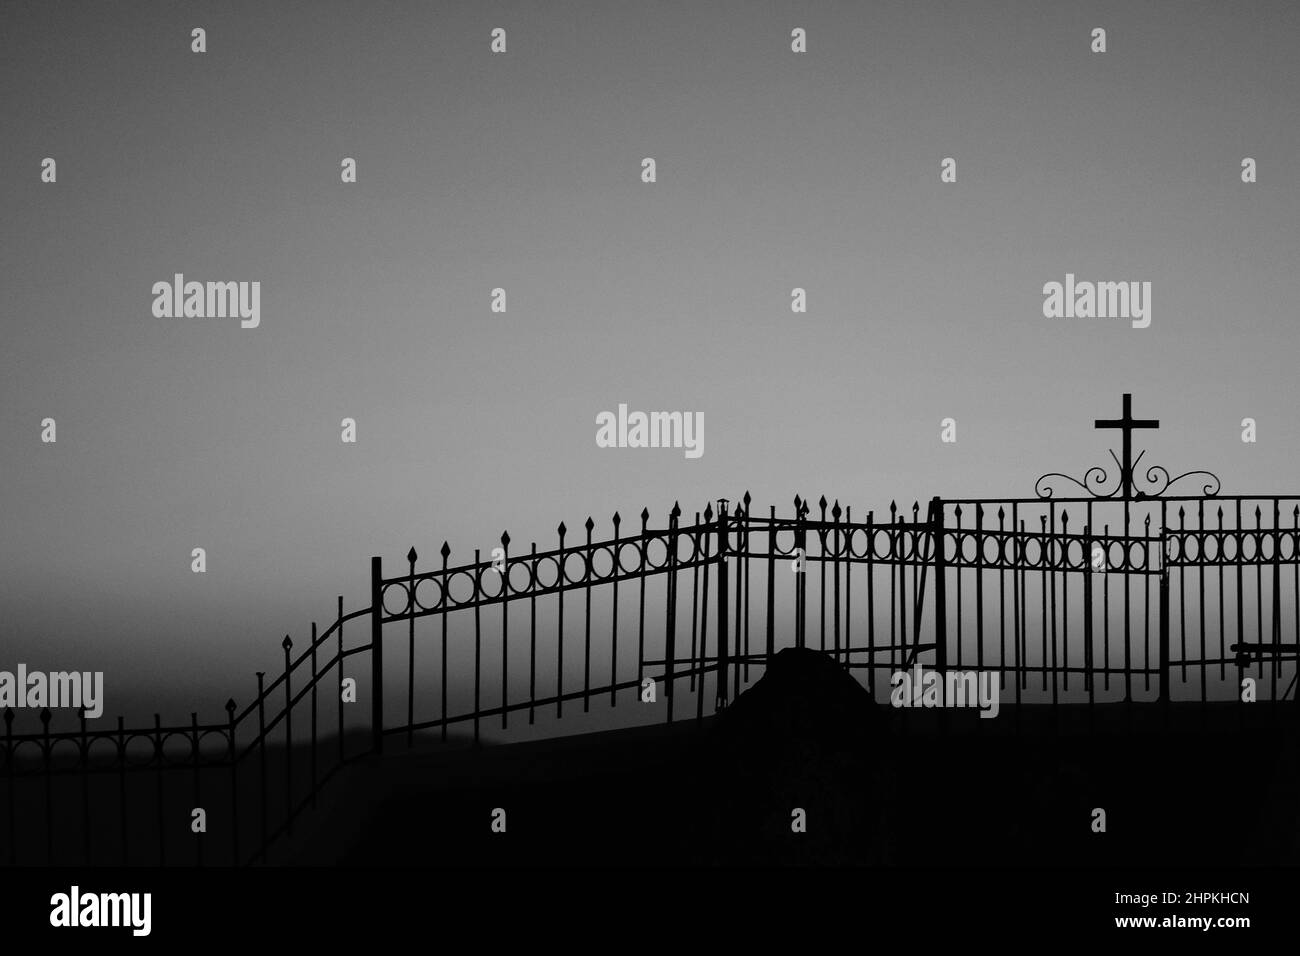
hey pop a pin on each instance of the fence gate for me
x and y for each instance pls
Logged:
(1068, 605)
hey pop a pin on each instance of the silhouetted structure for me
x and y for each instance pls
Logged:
(1063, 596)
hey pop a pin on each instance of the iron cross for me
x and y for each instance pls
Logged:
(1127, 424)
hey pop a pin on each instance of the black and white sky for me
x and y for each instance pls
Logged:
(522, 171)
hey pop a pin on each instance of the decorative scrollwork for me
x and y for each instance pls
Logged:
(1093, 481)
(1157, 476)
(1158, 473)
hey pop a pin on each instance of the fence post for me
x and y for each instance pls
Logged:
(198, 790)
(261, 759)
(377, 655)
(10, 774)
(158, 779)
(233, 757)
(670, 625)
(287, 644)
(721, 700)
(49, 796)
(771, 584)
(1277, 602)
(940, 588)
(84, 762)
(1088, 572)
(1164, 626)
(801, 546)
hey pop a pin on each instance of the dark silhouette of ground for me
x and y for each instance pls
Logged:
(877, 786)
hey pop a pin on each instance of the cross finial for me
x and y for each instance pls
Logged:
(1127, 424)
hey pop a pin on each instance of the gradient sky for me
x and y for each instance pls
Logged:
(523, 171)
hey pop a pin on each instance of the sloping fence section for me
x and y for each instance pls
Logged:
(127, 796)
(657, 612)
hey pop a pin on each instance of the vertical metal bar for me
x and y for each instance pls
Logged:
(1024, 601)
(848, 583)
(1259, 600)
(643, 566)
(1165, 569)
(902, 583)
(697, 662)
(1241, 619)
(894, 645)
(11, 775)
(919, 565)
(1045, 559)
(613, 623)
(821, 573)
(1020, 593)
(288, 739)
(1277, 596)
(771, 583)
(744, 563)
(1105, 611)
(957, 566)
(801, 582)
(478, 637)
(1128, 643)
(261, 754)
(1002, 594)
(49, 796)
(670, 620)
(940, 587)
(586, 619)
(376, 656)
(313, 714)
(721, 701)
(1259, 597)
(1088, 571)
(979, 587)
(158, 778)
(444, 604)
(871, 600)
(559, 637)
(198, 796)
(1200, 589)
(338, 701)
(704, 614)
(1222, 613)
(532, 644)
(1182, 600)
(835, 568)
(505, 630)
(1088, 633)
(740, 586)
(1065, 600)
(1128, 618)
(1223, 653)
(1052, 543)
(410, 648)
(1295, 591)
(83, 760)
(1165, 695)
(1146, 620)
(121, 789)
(1017, 564)
(232, 755)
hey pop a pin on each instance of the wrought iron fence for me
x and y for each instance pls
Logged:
(1079, 600)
